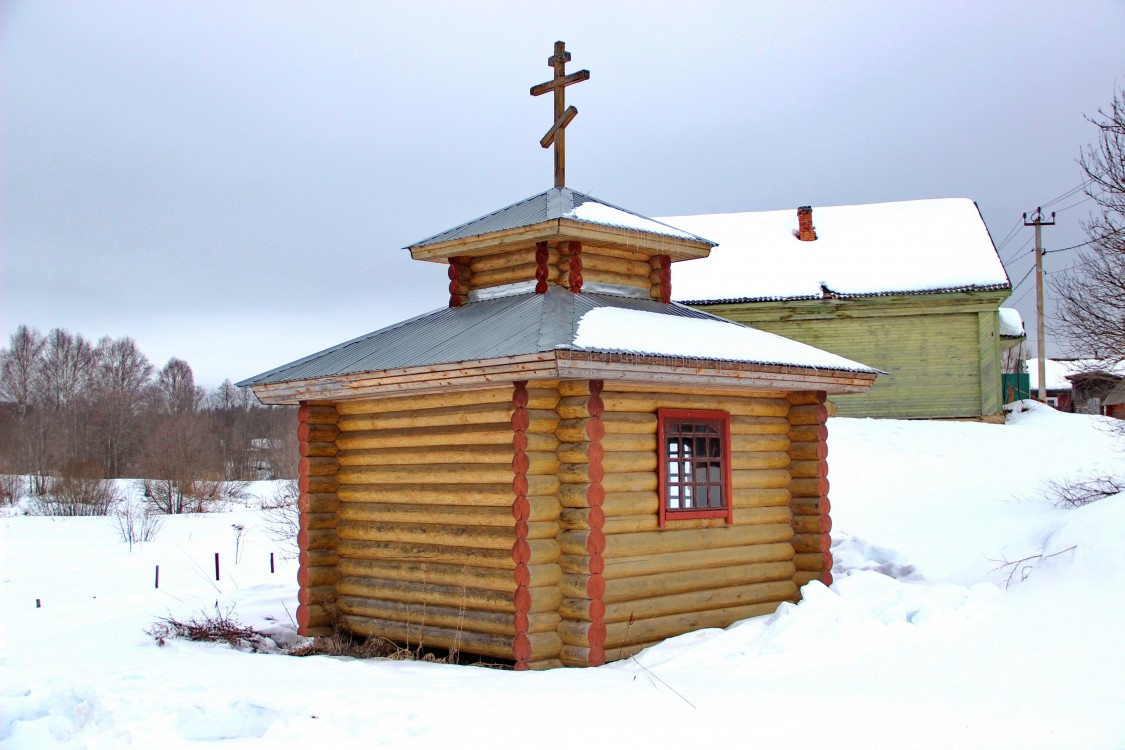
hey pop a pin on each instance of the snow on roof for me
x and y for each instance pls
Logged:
(557, 203)
(1011, 323)
(1057, 371)
(866, 250)
(652, 333)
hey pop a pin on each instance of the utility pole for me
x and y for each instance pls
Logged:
(1038, 222)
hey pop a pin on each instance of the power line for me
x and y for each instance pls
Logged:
(1072, 247)
(1065, 195)
(1011, 233)
(1072, 205)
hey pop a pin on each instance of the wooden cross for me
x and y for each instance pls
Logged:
(563, 114)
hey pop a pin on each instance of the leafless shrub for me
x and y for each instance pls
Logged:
(281, 517)
(174, 496)
(1079, 492)
(1023, 567)
(78, 496)
(218, 627)
(137, 523)
(11, 488)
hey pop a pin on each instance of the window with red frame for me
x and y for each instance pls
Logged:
(694, 466)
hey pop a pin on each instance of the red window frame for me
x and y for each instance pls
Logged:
(674, 465)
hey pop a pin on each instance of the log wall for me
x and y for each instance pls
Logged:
(318, 505)
(626, 583)
(808, 485)
(568, 264)
(448, 521)
(521, 523)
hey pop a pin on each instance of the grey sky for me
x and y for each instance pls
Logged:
(231, 183)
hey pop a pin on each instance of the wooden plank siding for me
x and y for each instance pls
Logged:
(941, 352)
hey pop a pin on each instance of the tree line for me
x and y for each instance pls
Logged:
(73, 408)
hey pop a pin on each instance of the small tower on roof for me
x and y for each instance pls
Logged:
(560, 237)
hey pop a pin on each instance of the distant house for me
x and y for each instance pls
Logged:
(1082, 386)
(912, 288)
(1115, 402)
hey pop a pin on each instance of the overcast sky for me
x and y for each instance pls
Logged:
(231, 183)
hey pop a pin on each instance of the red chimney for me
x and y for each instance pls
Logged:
(806, 232)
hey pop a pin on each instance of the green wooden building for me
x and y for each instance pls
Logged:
(912, 288)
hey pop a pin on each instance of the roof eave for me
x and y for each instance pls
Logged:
(678, 248)
(565, 364)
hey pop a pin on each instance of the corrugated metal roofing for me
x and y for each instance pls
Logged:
(556, 203)
(829, 294)
(504, 327)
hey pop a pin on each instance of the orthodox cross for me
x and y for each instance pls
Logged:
(563, 114)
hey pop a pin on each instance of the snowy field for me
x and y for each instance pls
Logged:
(922, 641)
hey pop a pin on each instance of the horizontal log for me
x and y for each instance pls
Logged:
(319, 433)
(614, 464)
(495, 494)
(573, 407)
(615, 503)
(446, 454)
(617, 279)
(759, 426)
(508, 275)
(811, 487)
(689, 560)
(545, 509)
(806, 469)
(454, 597)
(657, 628)
(817, 561)
(319, 450)
(321, 557)
(321, 520)
(810, 506)
(322, 502)
(577, 518)
(541, 420)
(801, 398)
(507, 259)
(756, 479)
(812, 542)
(644, 403)
(808, 414)
(808, 451)
(320, 619)
(469, 556)
(574, 430)
(368, 406)
(540, 464)
(322, 466)
(487, 537)
(544, 664)
(497, 579)
(804, 576)
(317, 415)
(495, 433)
(321, 538)
(684, 582)
(628, 442)
(677, 540)
(418, 635)
(316, 595)
(744, 460)
(621, 386)
(761, 498)
(319, 576)
(808, 433)
(603, 262)
(758, 443)
(323, 485)
(812, 524)
(695, 601)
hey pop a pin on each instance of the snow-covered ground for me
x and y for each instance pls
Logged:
(920, 642)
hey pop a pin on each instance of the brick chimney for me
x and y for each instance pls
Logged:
(806, 232)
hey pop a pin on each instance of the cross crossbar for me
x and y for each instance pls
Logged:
(563, 114)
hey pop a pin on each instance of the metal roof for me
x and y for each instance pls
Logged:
(830, 294)
(556, 203)
(504, 327)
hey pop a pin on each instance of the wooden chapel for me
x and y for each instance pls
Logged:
(562, 466)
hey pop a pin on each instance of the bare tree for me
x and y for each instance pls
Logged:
(19, 368)
(123, 375)
(1091, 295)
